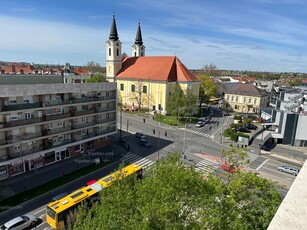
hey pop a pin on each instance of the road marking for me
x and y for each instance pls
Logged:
(262, 164)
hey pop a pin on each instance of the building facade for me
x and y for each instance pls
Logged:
(245, 98)
(42, 124)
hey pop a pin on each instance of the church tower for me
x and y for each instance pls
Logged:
(113, 53)
(138, 49)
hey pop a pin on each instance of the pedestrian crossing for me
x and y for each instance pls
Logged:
(206, 166)
(132, 158)
(197, 133)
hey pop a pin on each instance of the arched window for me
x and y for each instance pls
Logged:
(109, 51)
(117, 52)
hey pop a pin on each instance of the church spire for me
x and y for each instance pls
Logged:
(138, 37)
(113, 32)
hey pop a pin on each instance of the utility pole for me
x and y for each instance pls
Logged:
(127, 128)
(159, 147)
(184, 139)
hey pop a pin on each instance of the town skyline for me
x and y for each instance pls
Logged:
(266, 35)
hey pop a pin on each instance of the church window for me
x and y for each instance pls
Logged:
(117, 52)
(255, 101)
(132, 88)
(144, 89)
(122, 87)
(109, 51)
(237, 98)
(134, 54)
(232, 97)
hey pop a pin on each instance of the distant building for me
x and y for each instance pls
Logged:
(245, 98)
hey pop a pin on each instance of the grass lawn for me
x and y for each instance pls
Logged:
(28, 195)
(172, 120)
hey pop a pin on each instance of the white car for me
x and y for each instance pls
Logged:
(289, 169)
(20, 222)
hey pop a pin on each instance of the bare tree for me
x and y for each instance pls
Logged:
(137, 94)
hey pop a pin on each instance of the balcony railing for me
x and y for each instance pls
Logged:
(84, 112)
(105, 109)
(100, 132)
(24, 122)
(56, 102)
(59, 143)
(57, 116)
(101, 121)
(22, 106)
(103, 98)
(58, 130)
(83, 125)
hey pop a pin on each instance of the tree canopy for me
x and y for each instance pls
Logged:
(173, 197)
(96, 78)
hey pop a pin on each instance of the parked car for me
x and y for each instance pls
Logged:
(243, 129)
(20, 222)
(228, 167)
(144, 143)
(140, 135)
(200, 124)
(60, 196)
(289, 169)
(251, 126)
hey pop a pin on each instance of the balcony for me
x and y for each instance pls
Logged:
(23, 122)
(102, 121)
(83, 99)
(84, 112)
(104, 98)
(22, 106)
(105, 109)
(56, 102)
(58, 143)
(83, 125)
(58, 130)
(100, 132)
(57, 116)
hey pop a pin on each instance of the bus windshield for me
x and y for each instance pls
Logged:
(50, 213)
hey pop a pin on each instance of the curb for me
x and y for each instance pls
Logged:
(288, 161)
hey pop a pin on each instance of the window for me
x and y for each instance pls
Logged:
(232, 98)
(134, 54)
(28, 115)
(132, 88)
(244, 100)
(85, 107)
(107, 116)
(144, 89)
(109, 51)
(169, 93)
(237, 98)
(59, 110)
(255, 101)
(117, 52)
(121, 87)
(60, 123)
(227, 97)
(84, 119)
(250, 100)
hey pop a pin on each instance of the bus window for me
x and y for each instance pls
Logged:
(50, 213)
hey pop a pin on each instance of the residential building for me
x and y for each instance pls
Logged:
(245, 98)
(145, 81)
(287, 118)
(42, 124)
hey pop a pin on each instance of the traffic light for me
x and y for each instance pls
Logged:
(154, 131)
(165, 134)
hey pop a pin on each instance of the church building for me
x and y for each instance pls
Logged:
(145, 82)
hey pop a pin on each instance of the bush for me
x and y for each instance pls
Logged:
(227, 132)
(237, 117)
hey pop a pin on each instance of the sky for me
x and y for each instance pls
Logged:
(252, 35)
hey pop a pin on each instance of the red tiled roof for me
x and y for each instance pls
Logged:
(158, 68)
(243, 89)
(79, 71)
(304, 81)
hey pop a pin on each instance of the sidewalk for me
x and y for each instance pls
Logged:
(32, 179)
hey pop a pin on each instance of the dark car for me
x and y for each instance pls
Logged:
(144, 143)
(140, 135)
(243, 129)
(251, 126)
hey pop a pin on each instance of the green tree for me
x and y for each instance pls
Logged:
(173, 197)
(207, 89)
(175, 102)
(235, 156)
(96, 78)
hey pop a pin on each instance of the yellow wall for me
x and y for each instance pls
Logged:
(245, 104)
(158, 92)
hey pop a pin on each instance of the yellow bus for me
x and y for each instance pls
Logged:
(59, 212)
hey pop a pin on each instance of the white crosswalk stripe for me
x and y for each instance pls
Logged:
(206, 166)
(197, 132)
(131, 158)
